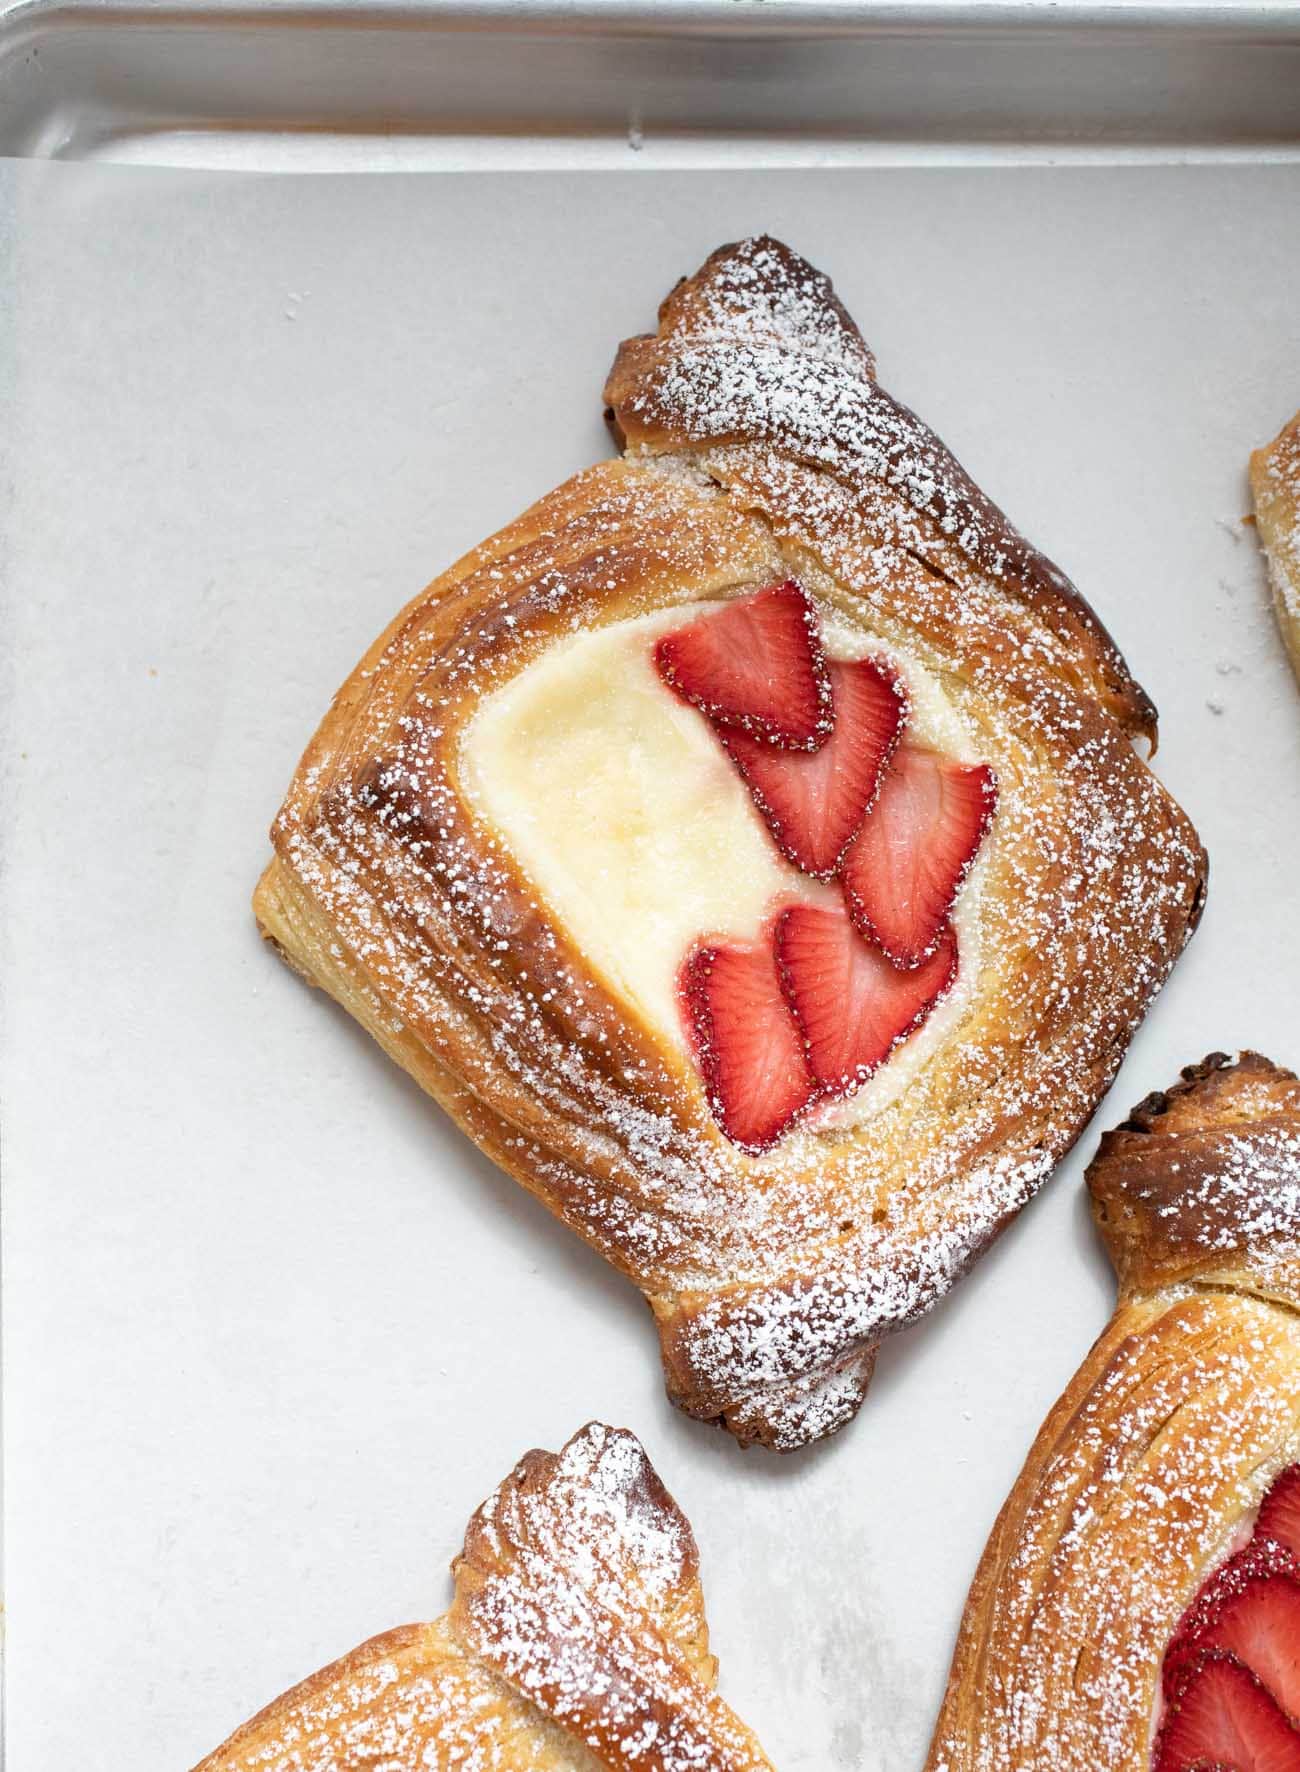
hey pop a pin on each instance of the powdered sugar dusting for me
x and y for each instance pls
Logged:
(771, 357)
(599, 1513)
(1150, 1470)
(773, 1278)
(664, 845)
(411, 1702)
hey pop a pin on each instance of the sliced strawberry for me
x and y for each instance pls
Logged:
(749, 1047)
(1249, 1608)
(1223, 1717)
(1261, 1627)
(912, 853)
(755, 663)
(1279, 1514)
(851, 1004)
(814, 802)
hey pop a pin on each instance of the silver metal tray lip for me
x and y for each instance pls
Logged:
(275, 84)
(1238, 20)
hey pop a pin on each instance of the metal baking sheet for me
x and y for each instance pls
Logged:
(408, 83)
(271, 1329)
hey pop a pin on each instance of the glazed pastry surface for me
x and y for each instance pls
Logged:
(480, 902)
(576, 1642)
(1275, 482)
(1150, 1470)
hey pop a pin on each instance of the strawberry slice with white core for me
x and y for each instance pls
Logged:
(755, 663)
(852, 1005)
(1279, 1514)
(902, 873)
(813, 802)
(748, 1044)
(1223, 1718)
(1250, 1608)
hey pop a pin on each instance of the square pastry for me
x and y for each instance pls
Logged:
(749, 848)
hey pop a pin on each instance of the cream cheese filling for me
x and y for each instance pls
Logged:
(619, 804)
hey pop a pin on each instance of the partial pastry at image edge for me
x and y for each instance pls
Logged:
(576, 1642)
(1124, 1606)
(1275, 484)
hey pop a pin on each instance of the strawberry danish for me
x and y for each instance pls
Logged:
(1138, 1605)
(749, 849)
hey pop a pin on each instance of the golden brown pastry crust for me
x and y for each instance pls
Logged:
(1161, 1447)
(1275, 483)
(758, 446)
(576, 1641)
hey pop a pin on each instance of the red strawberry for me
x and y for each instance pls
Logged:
(912, 853)
(1223, 1717)
(1279, 1514)
(756, 663)
(814, 802)
(748, 1045)
(1250, 1608)
(852, 1005)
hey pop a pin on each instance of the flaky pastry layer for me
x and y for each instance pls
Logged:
(758, 445)
(1275, 483)
(1163, 1445)
(576, 1641)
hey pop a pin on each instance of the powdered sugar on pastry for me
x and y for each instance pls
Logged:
(1149, 1472)
(399, 888)
(576, 1641)
(624, 810)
